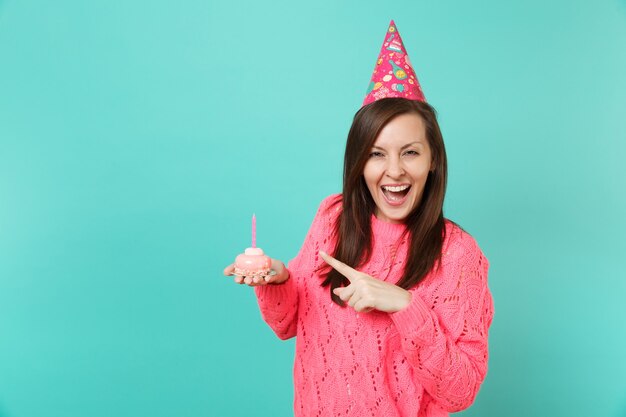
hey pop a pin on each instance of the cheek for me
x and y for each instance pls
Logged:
(371, 174)
(421, 171)
(423, 174)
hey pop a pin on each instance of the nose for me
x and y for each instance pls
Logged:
(394, 167)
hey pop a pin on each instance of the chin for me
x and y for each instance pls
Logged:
(397, 215)
(392, 217)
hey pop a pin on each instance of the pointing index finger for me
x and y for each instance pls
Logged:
(345, 270)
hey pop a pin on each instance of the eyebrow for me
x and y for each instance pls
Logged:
(408, 145)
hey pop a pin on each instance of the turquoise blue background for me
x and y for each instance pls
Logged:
(138, 137)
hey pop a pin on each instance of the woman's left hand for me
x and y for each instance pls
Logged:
(366, 293)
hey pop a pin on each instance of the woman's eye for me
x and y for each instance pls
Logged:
(412, 153)
(376, 154)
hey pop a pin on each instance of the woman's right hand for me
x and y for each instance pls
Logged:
(282, 275)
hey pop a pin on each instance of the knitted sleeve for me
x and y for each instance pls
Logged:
(279, 303)
(445, 338)
(279, 307)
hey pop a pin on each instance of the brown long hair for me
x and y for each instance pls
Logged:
(425, 224)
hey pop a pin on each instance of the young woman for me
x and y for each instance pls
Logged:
(395, 322)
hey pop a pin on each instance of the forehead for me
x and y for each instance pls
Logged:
(401, 130)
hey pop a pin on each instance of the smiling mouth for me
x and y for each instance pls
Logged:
(395, 193)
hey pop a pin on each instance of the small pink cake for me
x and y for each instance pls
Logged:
(253, 263)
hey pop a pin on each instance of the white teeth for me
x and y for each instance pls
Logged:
(395, 189)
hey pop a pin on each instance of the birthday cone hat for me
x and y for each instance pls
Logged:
(393, 75)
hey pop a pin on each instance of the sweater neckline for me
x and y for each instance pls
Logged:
(386, 229)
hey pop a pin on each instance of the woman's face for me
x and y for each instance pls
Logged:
(398, 166)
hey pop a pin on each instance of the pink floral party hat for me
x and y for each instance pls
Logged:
(393, 75)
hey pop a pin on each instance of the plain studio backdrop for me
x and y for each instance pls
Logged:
(138, 137)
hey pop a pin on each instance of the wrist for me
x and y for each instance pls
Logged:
(405, 300)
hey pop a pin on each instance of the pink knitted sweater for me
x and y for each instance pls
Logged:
(426, 360)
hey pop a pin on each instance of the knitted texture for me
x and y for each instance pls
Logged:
(428, 359)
